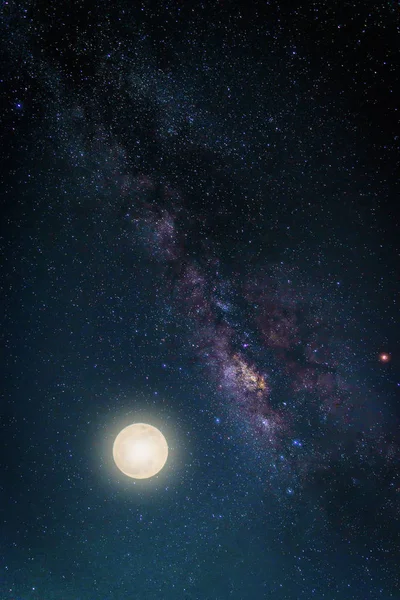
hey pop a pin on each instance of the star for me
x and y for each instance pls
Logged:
(384, 357)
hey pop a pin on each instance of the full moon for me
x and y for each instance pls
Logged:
(140, 451)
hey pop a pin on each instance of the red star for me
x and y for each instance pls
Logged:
(384, 357)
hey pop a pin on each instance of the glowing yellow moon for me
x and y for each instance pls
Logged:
(140, 451)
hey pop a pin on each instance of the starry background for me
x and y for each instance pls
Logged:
(199, 230)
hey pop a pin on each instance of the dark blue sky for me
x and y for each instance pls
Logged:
(199, 231)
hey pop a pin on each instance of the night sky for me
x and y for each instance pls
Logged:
(199, 232)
